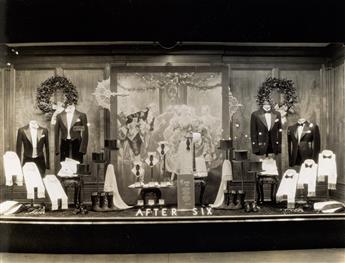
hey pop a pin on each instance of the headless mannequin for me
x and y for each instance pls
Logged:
(266, 131)
(34, 138)
(303, 142)
(71, 134)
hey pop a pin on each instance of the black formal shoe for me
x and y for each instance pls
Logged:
(247, 207)
(255, 208)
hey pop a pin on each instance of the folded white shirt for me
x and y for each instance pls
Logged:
(269, 166)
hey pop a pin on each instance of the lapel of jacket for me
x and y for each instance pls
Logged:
(28, 133)
(39, 133)
(261, 115)
(76, 115)
(305, 129)
(64, 118)
(273, 119)
(294, 130)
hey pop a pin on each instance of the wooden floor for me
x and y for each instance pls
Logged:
(296, 256)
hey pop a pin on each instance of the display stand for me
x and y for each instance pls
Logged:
(255, 167)
(98, 159)
(241, 156)
(83, 170)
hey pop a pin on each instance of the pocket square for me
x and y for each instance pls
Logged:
(308, 131)
(276, 120)
(42, 136)
(78, 120)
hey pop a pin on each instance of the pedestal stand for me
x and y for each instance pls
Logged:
(241, 156)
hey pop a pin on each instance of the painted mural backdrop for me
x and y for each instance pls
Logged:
(166, 107)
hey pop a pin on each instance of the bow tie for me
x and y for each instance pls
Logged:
(308, 166)
(288, 176)
(269, 111)
(300, 124)
(329, 157)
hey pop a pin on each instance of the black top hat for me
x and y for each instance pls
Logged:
(225, 144)
(241, 155)
(98, 157)
(83, 169)
(111, 144)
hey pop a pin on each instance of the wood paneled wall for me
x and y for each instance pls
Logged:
(2, 121)
(320, 91)
(334, 77)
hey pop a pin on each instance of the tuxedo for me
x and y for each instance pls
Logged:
(31, 154)
(71, 135)
(266, 137)
(305, 145)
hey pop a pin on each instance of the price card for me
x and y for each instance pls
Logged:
(161, 202)
(140, 202)
(185, 192)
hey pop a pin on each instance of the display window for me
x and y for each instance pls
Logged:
(238, 139)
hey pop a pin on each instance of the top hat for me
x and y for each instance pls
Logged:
(98, 157)
(241, 155)
(225, 144)
(255, 166)
(110, 144)
(83, 169)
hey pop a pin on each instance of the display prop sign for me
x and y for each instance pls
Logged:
(185, 192)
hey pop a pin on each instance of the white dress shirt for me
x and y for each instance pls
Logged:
(33, 131)
(268, 118)
(299, 132)
(69, 115)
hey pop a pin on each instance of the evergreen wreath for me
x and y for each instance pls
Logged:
(49, 87)
(283, 86)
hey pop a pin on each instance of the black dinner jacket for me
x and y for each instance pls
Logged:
(309, 145)
(24, 138)
(79, 120)
(259, 132)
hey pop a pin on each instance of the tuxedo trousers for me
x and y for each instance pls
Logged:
(39, 161)
(70, 149)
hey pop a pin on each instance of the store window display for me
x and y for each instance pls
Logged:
(159, 141)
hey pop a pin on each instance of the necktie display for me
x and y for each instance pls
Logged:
(287, 188)
(327, 168)
(308, 176)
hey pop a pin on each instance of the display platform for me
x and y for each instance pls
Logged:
(123, 232)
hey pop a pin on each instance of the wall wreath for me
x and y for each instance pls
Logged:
(49, 88)
(284, 87)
